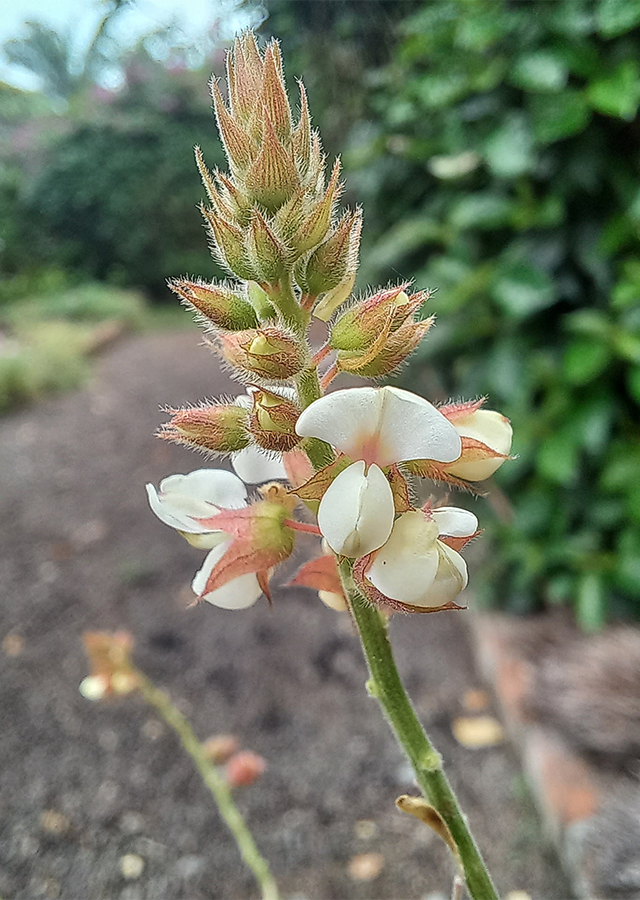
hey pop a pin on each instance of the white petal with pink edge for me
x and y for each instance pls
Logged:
(181, 499)
(240, 593)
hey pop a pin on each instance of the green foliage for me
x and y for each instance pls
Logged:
(504, 170)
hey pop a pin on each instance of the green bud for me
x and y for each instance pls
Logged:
(220, 306)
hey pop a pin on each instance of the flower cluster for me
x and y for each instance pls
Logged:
(348, 457)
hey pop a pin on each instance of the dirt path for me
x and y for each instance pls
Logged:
(80, 550)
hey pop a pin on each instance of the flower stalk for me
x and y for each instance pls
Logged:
(386, 686)
(215, 782)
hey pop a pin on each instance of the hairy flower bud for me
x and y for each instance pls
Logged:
(259, 299)
(273, 421)
(220, 306)
(359, 327)
(328, 263)
(272, 178)
(486, 441)
(229, 244)
(383, 359)
(268, 255)
(342, 291)
(219, 427)
(314, 229)
(268, 352)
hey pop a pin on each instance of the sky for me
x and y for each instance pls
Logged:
(81, 17)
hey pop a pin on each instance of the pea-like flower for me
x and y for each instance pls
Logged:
(418, 568)
(377, 428)
(183, 500)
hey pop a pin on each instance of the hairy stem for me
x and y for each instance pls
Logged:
(283, 297)
(386, 686)
(215, 782)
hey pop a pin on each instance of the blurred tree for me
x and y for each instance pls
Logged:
(502, 165)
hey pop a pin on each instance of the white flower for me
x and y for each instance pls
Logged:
(377, 427)
(253, 464)
(494, 431)
(417, 569)
(180, 501)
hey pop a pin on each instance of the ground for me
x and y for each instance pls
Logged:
(82, 784)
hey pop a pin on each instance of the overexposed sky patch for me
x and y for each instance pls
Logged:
(194, 18)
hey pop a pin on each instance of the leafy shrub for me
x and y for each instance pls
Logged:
(505, 171)
(91, 302)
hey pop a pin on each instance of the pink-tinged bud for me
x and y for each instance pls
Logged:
(359, 327)
(219, 427)
(220, 306)
(273, 421)
(337, 295)
(112, 670)
(486, 441)
(274, 96)
(268, 352)
(379, 361)
(230, 245)
(220, 747)
(272, 178)
(244, 768)
(236, 141)
(268, 254)
(328, 264)
(301, 139)
(208, 181)
(314, 229)
(245, 71)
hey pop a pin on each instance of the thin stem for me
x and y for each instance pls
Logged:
(216, 784)
(329, 375)
(386, 686)
(283, 297)
(305, 527)
(321, 354)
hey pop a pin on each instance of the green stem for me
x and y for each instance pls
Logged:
(308, 386)
(386, 686)
(283, 297)
(216, 784)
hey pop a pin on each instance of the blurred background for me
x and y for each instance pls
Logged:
(495, 147)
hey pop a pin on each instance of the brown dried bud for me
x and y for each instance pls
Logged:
(273, 421)
(268, 352)
(219, 427)
(220, 306)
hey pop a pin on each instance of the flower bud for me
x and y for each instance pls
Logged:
(361, 325)
(235, 140)
(222, 307)
(486, 441)
(273, 421)
(274, 96)
(244, 768)
(268, 255)
(259, 299)
(315, 228)
(219, 427)
(301, 139)
(342, 291)
(112, 670)
(268, 352)
(327, 264)
(272, 178)
(229, 243)
(375, 363)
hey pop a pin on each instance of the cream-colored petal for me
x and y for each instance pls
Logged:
(450, 580)
(455, 522)
(240, 593)
(492, 429)
(183, 498)
(412, 428)
(406, 566)
(333, 601)
(356, 513)
(255, 466)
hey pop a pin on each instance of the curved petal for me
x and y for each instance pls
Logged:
(240, 593)
(381, 425)
(345, 419)
(412, 428)
(254, 465)
(356, 513)
(407, 565)
(450, 579)
(455, 522)
(181, 498)
(333, 601)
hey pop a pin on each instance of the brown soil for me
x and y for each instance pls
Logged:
(81, 550)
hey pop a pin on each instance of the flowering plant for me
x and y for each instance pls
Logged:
(347, 457)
